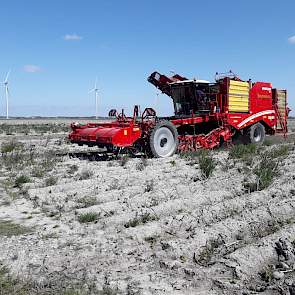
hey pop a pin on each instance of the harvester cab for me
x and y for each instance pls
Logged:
(190, 97)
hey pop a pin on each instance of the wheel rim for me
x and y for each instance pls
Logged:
(164, 142)
(257, 135)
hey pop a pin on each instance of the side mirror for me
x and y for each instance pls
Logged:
(135, 111)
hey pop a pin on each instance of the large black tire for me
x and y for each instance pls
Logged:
(256, 133)
(163, 140)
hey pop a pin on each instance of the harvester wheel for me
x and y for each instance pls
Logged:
(256, 133)
(164, 140)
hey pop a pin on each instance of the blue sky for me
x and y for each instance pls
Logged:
(56, 48)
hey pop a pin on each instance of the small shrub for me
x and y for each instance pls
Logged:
(88, 217)
(206, 163)
(267, 274)
(262, 229)
(152, 240)
(140, 219)
(51, 180)
(205, 256)
(20, 180)
(38, 172)
(9, 285)
(8, 147)
(241, 151)
(265, 172)
(8, 229)
(278, 152)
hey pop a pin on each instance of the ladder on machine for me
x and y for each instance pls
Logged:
(281, 118)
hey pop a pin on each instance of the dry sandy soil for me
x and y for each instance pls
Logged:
(143, 226)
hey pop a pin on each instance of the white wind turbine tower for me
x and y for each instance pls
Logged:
(7, 94)
(95, 90)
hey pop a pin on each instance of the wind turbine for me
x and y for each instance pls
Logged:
(95, 90)
(7, 93)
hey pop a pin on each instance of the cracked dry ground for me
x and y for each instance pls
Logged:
(156, 226)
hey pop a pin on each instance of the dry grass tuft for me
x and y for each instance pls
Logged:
(86, 202)
(50, 181)
(88, 217)
(141, 219)
(8, 229)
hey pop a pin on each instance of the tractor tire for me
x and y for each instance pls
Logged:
(256, 134)
(163, 141)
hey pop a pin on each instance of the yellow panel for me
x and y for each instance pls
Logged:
(240, 93)
(242, 105)
(238, 109)
(233, 82)
(241, 87)
(238, 96)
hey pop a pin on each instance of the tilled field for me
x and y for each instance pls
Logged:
(147, 226)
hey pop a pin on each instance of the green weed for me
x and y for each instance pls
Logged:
(20, 180)
(242, 151)
(8, 229)
(206, 163)
(88, 217)
(140, 219)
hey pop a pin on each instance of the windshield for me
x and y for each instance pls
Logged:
(183, 98)
(193, 97)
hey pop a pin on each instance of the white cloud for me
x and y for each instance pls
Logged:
(292, 39)
(72, 37)
(32, 68)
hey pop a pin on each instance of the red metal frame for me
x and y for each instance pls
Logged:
(125, 132)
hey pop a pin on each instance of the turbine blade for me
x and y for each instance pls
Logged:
(7, 76)
(95, 87)
(92, 90)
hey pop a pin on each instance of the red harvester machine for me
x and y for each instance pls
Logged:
(205, 116)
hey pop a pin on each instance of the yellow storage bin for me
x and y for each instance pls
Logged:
(238, 97)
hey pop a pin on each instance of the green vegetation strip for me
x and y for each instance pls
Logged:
(12, 286)
(9, 229)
